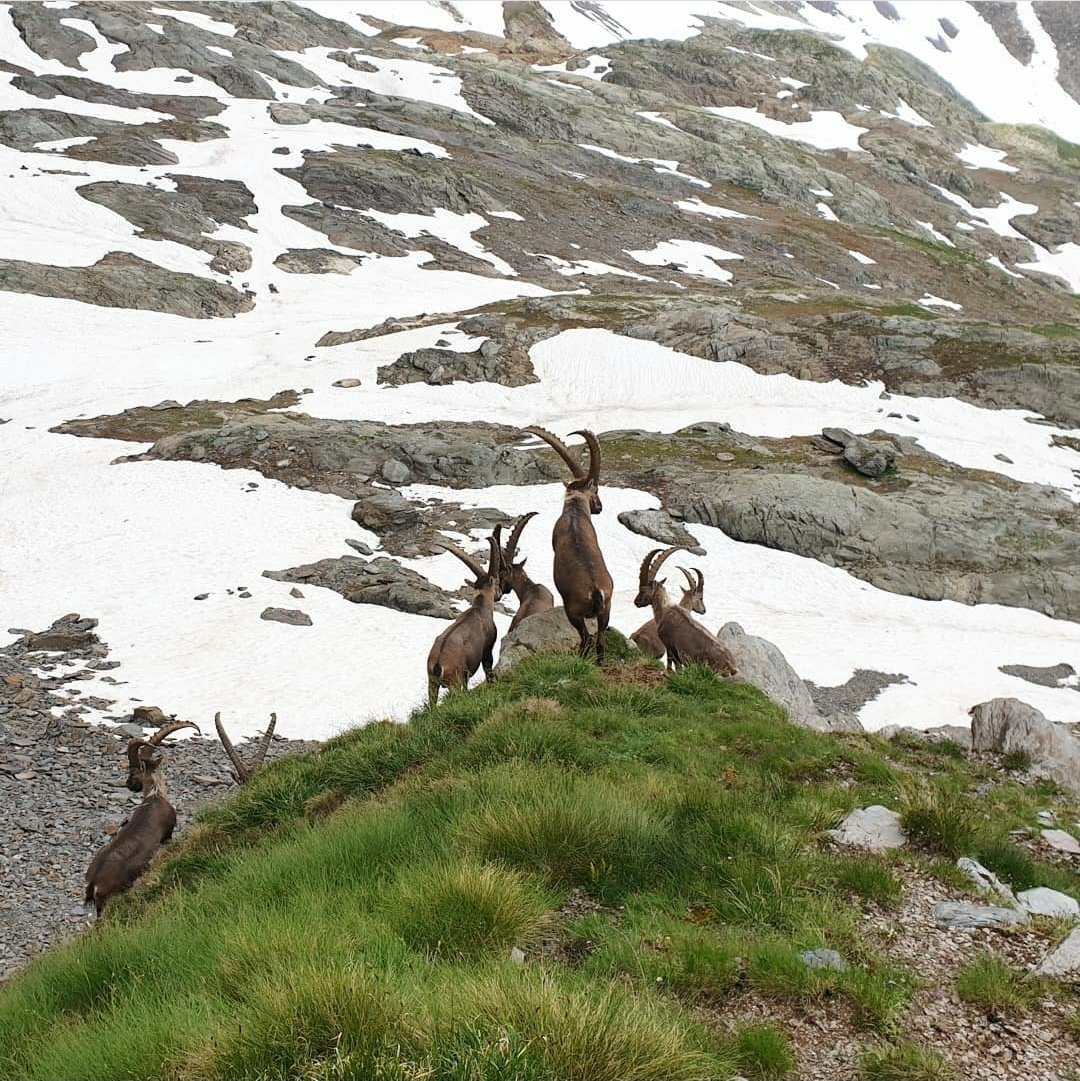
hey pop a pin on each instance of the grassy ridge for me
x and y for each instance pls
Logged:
(650, 843)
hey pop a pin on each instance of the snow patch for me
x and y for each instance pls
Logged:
(977, 156)
(691, 255)
(826, 129)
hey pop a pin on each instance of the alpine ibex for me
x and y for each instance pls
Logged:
(646, 637)
(128, 854)
(135, 757)
(468, 642)
(581, 576)
(242, 772)
(532, 596)
(684, 639)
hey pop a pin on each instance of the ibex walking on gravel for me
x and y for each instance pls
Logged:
(646, 637)
(128, 854)
(581, 576)
(532, 596)
(684, 639)
(469, 641)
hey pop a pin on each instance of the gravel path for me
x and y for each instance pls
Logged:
(62, 784)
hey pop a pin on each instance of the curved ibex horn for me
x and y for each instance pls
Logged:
(239, 769)
(646, 564)
(594, 455)
(168, 730)
(264, 744)
(665, 554)
(515, 535)
(468, 560)
(560, 449)
(700, 580)
(495, 557)
(691, 582)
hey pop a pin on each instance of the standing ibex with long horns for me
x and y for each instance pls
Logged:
(242, 771)
(129, 853)
(469, 641)
(684, 639)
(646, 637)
(532, 596)
(581, 576)
(137, 759)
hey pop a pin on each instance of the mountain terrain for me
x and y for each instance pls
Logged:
(281, 285)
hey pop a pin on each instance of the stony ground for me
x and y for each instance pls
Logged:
(62, 785)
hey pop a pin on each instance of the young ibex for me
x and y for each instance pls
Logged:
(581, 576)
(684, 639)
(468, 642)
(136, 758)
(646, 637)
(532, 596)
(128, 854)
(242, 772)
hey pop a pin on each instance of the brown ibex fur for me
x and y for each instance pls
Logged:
(532, 596)
(135, 755)
(646, 637)
(581, 576)
(684, 639)
(469, 641)
(128, 854)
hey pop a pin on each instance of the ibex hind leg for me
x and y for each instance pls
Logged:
(586, 643)
(601, 634)
(432, 690)
(488, 662)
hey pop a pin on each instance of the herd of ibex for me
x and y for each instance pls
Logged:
(585, 586)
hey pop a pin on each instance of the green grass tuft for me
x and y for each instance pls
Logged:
(991, 983)
(764, 1053)
(905, 1061)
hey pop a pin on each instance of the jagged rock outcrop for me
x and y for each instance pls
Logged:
(120, 280)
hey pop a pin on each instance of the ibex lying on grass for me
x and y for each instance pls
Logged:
(532, 596)
(581, 576)
(242, 772)
(136, 758)
(469, 641)
(646, 637)
(129, 853)
(684, 639)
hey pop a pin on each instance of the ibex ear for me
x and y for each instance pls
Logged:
(522, 563)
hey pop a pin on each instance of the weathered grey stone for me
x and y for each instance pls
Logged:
(1007, 724)
(1063, 961)
(293, 616)
(984, 880)
(660, 527)
(762, 664)
(395, 472)
(544, 632)
(824, 959)
(1042, 901)
(870, 459)
(379, 581)
(1062, 840)
(959, 915)
(875, 827)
